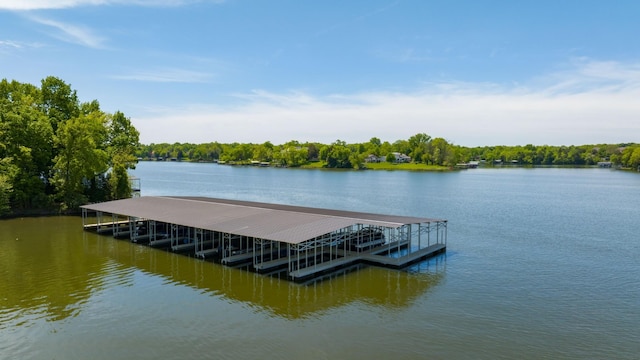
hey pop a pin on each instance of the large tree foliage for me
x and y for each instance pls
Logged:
(57, 151)
(5, 186)
(419, 145)
(336, 155)
(81, 156)
(122, 141)
(27, 144)
(630, 157)
(58, 101)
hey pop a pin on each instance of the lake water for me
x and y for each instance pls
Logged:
(541, 263)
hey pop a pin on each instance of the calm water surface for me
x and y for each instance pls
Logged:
(541, 263)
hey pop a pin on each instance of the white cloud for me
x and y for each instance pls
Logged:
(167, 75)
(587, 75)
(10, 46)
(595, 102)
(22, 5)
(72, 33)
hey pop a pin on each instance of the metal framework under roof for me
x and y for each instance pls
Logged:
(276, 222)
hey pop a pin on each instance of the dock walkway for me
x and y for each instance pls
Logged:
(207, 253)
(110, 224)
(323, 267)
(238, 259)
(403, 261)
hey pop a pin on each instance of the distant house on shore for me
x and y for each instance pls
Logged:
(402, 158)
(399, 158)
(374, 159)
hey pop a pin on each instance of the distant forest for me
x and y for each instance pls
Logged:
(57, 153)
(419, 148)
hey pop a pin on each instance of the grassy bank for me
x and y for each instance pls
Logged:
(406, 166)
(387, 166)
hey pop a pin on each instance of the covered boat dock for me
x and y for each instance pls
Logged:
(301, 242)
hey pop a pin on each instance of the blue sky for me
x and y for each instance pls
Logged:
(473, 72)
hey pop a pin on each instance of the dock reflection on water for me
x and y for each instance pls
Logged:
(372, 285)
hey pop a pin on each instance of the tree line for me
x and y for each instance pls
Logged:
(57, 153)
(421, 148)
(582, 155)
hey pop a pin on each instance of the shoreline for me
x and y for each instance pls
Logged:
(398, 166)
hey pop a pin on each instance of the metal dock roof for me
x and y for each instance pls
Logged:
(285, 223)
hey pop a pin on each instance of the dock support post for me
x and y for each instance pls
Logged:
(114, 227)
(133, 232)
(152, 230)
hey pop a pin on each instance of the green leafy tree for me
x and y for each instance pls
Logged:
(313, 151)
(27, 144)
(293, 156)
(630, 157)
(356, 160)
(263, 152)
(441, 152)
(418, 145)
(385, 148)
(7, 172)
(373, 146)
(401, 146)
(82, 156)
(336, 155)
(391, 158)
(59, 102)
(5, 193)
(122, 141)
(119, 182)
(54, 148)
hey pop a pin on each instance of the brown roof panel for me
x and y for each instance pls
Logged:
(291, 224)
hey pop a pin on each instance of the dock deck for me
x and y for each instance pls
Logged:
(160, 243)
(267, 266)
(94, 226)
(322, 268)
(204, 254)
(183, 247)
(402, 261)
(238, 259)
